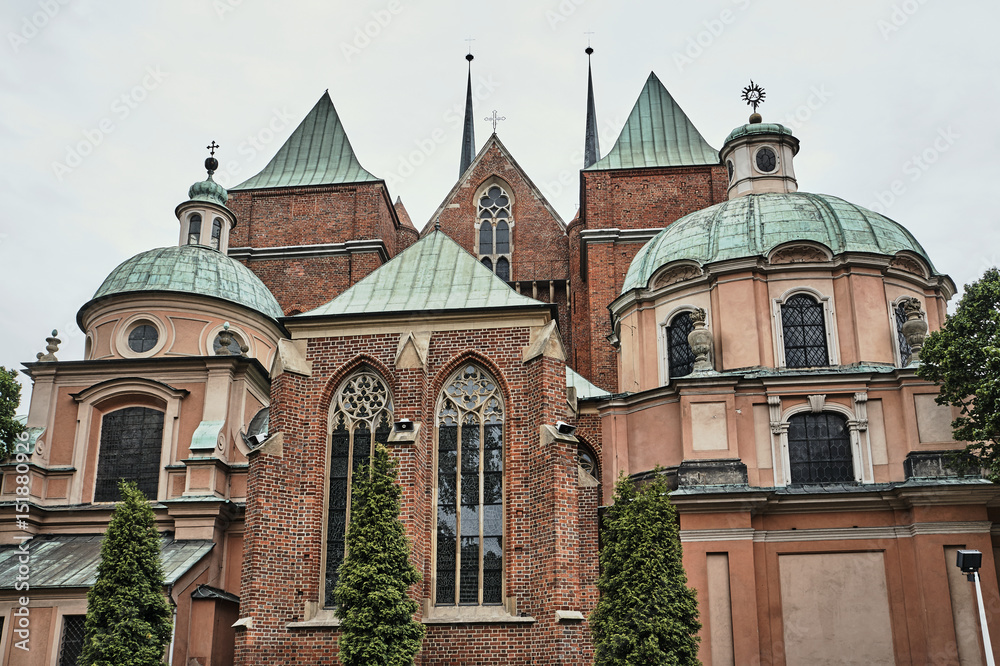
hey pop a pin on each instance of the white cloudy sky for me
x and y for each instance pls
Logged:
(105, 110)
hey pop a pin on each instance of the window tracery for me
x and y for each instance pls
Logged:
(469, 514)
(362, 416)
(495, 221)
(131, 445)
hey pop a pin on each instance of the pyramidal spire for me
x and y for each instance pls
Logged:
(591, 149)
(468, 133)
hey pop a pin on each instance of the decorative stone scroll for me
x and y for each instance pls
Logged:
(798, 254)
(676, 274)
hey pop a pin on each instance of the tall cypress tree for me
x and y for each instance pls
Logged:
(128, 618)
(377, 625)
(646, 613)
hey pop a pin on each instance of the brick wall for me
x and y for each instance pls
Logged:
(318, 215)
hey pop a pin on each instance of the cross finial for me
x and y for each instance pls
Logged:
(588, 33)
(495, 118)
(212, 147)
(470, 40)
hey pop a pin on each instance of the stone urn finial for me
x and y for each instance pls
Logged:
(225, 339)
(914, 328)
(700, 340)
(52, 347)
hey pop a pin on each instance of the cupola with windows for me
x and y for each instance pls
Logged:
(204, 218)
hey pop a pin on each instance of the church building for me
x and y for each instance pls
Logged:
(699, 314)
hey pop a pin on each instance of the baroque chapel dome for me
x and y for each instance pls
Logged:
(755, 224)
(190, 269)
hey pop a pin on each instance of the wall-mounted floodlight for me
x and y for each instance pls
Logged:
(970, 561)
(564, 428)
(403, 425)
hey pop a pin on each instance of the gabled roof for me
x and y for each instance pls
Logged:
(494, 140)
(317, 153)
(435, 273)
(657, 134)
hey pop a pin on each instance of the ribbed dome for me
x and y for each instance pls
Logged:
(755, 224)
(191, 269)
(208, 190)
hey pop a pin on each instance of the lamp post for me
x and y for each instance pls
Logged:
(969, 561)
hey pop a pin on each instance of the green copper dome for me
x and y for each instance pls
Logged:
(191, 269)
(208, 190)
(751, 129)
(755, 224)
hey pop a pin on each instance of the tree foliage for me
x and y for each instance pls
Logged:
(963, 357)
(128, 618)
(10, 398)
(377, 625)
(646, 613)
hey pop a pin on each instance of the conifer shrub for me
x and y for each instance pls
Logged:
(646, 613)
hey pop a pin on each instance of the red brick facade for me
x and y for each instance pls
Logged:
(550, 519)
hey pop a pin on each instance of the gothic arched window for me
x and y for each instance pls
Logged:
(804, 332)
(131, 444)
(216, 233)
(680, 358)
(469, 519)
(194, 229)
(495, 220)
(362, 415)
(819, 449)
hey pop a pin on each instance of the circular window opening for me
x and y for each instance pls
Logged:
(142, 338)
(767, 161)
(729, 166)
(586, 459)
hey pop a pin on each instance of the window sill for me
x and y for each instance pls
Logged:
(324, 619)
(473, 615)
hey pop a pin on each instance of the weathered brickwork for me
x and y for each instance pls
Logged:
(303, 216)
(549, 520)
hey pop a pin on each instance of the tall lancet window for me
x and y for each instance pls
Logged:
(216, 233)
(361, 416)
(468, 566)
(495, 222)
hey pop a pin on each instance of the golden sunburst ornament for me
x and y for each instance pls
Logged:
(753, 95)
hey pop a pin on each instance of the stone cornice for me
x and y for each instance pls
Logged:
(308, 251)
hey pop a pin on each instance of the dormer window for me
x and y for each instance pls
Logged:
(194, 229)
(216, 233)
(495, 220)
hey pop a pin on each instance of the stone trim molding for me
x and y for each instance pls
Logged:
(309, 251)
(837, 533)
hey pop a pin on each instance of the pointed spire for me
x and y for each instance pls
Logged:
(468, 134)
(591, 149)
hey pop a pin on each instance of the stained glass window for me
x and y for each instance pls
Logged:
(804, 332)
(680, 358)
(131, 443)
(904, 346)
(194, 229)
(494, 230)
(819, 449)
(362, 416)
(469, 520)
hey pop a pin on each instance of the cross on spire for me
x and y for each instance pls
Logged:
(212, 146)
(495, 118)
(470, 40)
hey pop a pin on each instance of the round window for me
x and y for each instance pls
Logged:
(766, 160)
(142, 338)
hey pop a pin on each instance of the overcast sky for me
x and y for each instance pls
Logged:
(106, 107)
